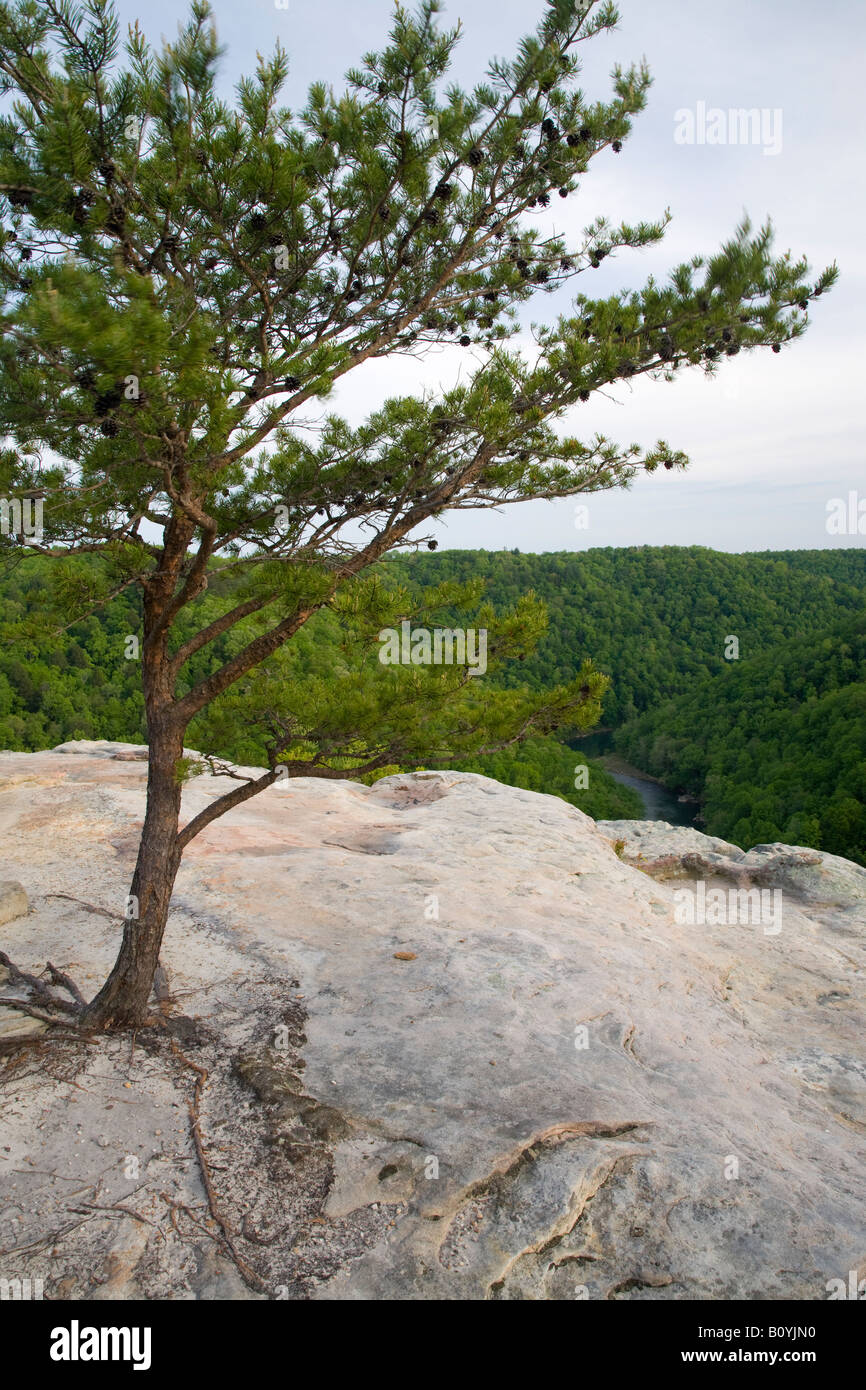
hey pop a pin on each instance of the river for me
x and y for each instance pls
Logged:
(659, 802)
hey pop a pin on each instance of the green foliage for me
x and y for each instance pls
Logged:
(326, 700)
(544, 765)
(184, 279)
(775, 744)
(655, 618)
(181, 277)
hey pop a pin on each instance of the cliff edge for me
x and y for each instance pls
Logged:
(435, 1038)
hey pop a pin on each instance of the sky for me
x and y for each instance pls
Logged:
(776, 442)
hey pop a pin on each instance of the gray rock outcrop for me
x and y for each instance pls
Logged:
(461, 1042)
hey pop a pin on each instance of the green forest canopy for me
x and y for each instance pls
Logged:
(773, 744)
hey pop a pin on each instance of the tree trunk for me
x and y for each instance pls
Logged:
(123, 1000)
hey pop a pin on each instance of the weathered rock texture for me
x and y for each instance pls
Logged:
(457, 1046)
(13, 901)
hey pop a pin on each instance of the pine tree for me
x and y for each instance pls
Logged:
(184, 280)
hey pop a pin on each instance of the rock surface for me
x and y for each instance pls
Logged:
(457, 1046)
(13, 901)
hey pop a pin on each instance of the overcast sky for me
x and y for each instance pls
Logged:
(775, 437)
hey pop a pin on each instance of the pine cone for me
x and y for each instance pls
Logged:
(108, 400)
(116, 219)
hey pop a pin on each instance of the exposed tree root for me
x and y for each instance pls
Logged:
(118, 1208)
(56, 1011)
(249, 1276)
(67, 1009)
(60, 978)
(89, 907)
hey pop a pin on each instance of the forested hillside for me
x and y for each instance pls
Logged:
(656, 618)
(773, 743)
(82, 683)
(775, 746)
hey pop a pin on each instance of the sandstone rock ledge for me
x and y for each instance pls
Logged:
(458, 1046)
